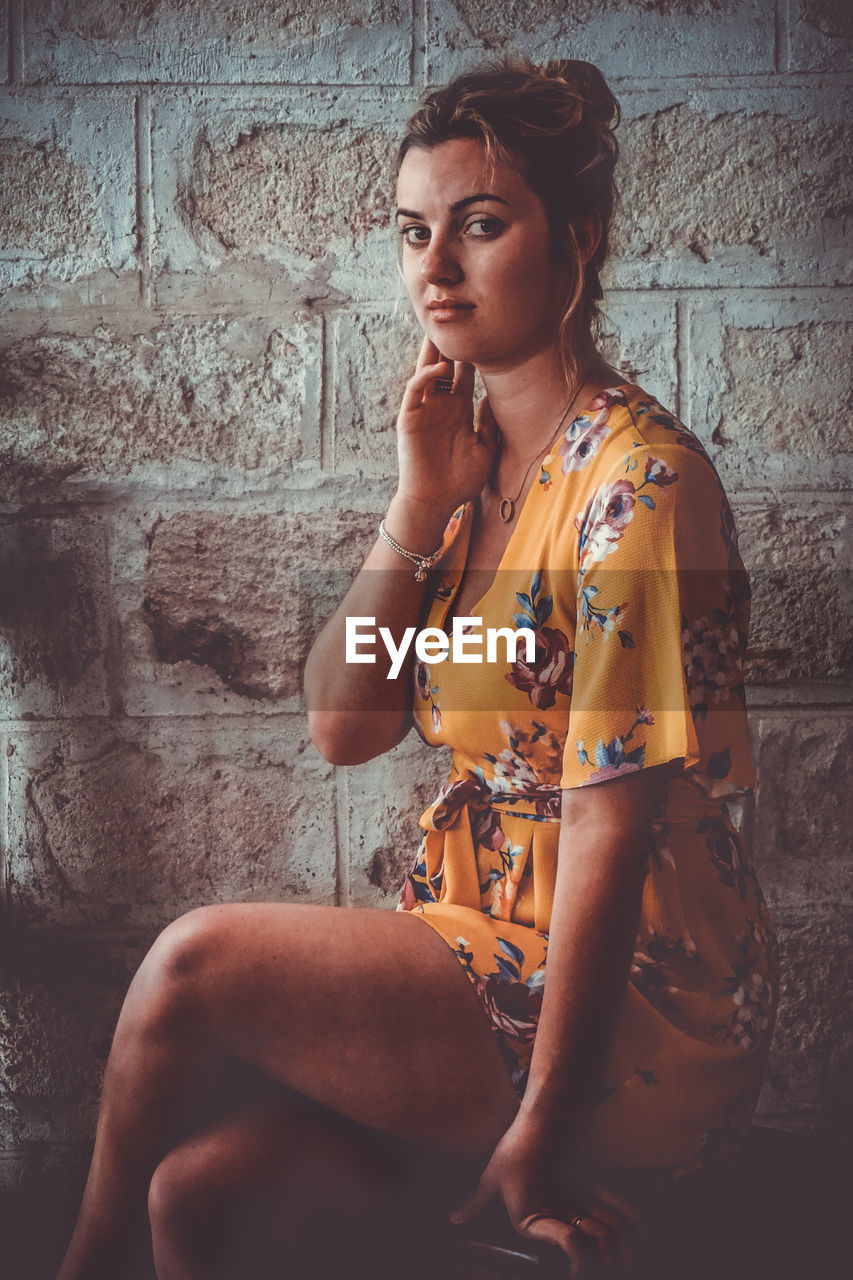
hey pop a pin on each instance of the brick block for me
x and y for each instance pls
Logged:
(217, 41)
(384, 799)
(68, 196)
(170, 401)
(820, 35)
(798, 557)
(218, 611)
(780, 183)
(130, 829)
(53, 618)
(284, 199)
(620, 37)
(811, 1058)
(768, 391)
(802, 821)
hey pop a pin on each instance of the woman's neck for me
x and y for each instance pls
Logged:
(528, 400)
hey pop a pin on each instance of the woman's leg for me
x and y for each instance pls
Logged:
(367, 1012)
(282, 1188)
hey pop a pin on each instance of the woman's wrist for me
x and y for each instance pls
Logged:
(416, 525)
(550, 1107)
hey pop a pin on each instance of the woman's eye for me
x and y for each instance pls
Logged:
(414, 234)
(483, 226)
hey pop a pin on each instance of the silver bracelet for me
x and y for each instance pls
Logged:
(423, 562)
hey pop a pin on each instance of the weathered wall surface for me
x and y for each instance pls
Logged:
(201, 359)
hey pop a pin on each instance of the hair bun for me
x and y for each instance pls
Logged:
(588, 86)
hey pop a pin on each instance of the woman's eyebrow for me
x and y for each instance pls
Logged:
(456, 206)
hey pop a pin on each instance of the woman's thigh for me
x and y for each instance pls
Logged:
(365, 1011)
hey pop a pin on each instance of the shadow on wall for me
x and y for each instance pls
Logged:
(50, 629)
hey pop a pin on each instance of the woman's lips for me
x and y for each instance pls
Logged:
(450, 310)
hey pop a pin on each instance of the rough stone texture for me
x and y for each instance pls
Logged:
(4, 45)
(821, 35)
(384, 799)
(812, 1055)
(639, 338)
(260, 193)
(223, 612)
(768, 392)
(673, 37)
(353, 41)
(816, 415)
(130, 828)
(67, 194)
(799, 562)
(493, 21)
(107, 404)
(802, 831)
(53, 618)
(284, 197)
(784, 180)
(57, 991)
(47, 203)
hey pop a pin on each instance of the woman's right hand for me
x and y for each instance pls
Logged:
(444, 460)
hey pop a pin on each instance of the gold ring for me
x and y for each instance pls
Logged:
(443, 384)
(575, 1222)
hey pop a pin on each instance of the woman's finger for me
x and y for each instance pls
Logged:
(604, 1241)
(558, 1233)
(463, 383)
(487, 427)
(421, 382)
(619, 1242)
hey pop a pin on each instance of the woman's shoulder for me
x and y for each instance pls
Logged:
(623, 430)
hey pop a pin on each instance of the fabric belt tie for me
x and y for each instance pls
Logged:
(484, 807)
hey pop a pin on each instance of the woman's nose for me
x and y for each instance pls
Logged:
(439, 262)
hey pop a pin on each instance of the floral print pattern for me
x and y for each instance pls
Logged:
(512, 1006)
(625, 565)
(550, 672)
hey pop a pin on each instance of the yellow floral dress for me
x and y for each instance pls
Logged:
(624, 562)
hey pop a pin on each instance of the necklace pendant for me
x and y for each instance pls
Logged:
(507, 509)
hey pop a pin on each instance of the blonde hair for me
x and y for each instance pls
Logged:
(555, 123)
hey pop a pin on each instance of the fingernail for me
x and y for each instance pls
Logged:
(455, 1217)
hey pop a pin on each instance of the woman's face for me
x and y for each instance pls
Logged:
(479, 244)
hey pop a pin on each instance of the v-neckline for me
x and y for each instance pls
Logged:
(477, 606)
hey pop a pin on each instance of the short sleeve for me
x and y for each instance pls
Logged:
(662, 620)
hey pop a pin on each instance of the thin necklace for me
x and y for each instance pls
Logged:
(507, 507)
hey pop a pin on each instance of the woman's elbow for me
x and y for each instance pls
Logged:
(353, 737)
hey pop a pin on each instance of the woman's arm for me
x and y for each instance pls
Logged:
(604, 836)
(354, 711)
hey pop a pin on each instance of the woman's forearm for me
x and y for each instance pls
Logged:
(594, 921)
(355, 711)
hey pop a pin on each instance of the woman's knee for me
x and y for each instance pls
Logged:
(168, 986)
(185, 1203)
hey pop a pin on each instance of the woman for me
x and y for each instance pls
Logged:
(591, 1007)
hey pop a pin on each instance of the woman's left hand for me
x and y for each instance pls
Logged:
(541, 1204)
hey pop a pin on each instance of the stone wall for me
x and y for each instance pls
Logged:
(202, 355)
